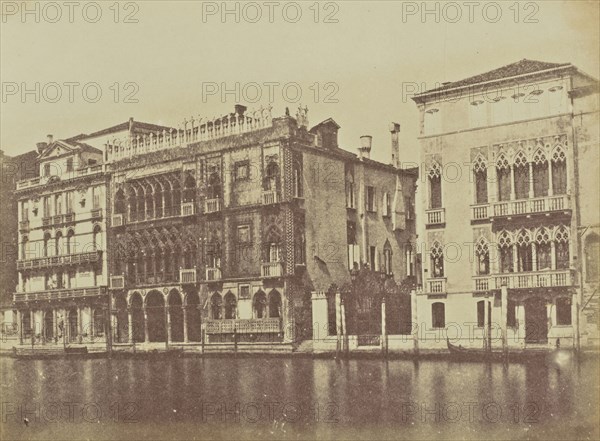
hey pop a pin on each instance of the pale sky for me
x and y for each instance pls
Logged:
(171, 52)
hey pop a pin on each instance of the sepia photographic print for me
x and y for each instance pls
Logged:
(299, 220)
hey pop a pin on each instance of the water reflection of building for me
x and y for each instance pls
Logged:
(232, 229)
(528, 135)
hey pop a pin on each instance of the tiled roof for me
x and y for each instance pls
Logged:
(137, 125)
(522, 67)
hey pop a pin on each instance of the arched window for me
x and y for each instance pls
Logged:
(260, 305)
(505, 246)
(141, 202)
(133, 205)
(435, 185)
(230, 306)
(46, 242)
(521, 168)
(97, 237)
(503, 177)
(540, 174)
(481, 313)
(387, 258)
(70, 242)
(480, 175)
(592, 258)
(158, 200)
(216, 304)
(120, 206)
(524, 254)
(271, 181)
(437, 260)
(58, 243)
(189, 192)
(543, 249)
(438, 315)
(149, 190)
(274, 304)
(176, 193)
(24, 243)
(98, 322)
(482, 254)
(559, 171)
(213, 190)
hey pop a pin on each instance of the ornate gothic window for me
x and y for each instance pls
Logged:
(437, 260)
(524, 254)
(543, 250)
(230, 306)
(503, 176)
(216, 303)
(274, 304)
(559, 171)
(480, 175)
(506, 252)
(561, 239)
(259, 305)
(540, 174)
(521, 170)
(435, 185)
(482, 254)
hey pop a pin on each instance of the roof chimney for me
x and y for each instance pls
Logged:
(395, 131)
(41, 146)
(239, 109)
(50, 138)
(130, 123)
(364, 151)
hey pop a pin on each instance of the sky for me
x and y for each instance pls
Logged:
(69, 71)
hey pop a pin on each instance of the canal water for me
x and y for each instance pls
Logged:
(298, 398)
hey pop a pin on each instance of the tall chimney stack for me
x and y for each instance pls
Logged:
(50, 138)
(364, 151)
(395, 130)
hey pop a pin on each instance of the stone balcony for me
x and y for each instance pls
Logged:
(187, 276)
(435, 285)
(188, 209)
(55, 294)
(533, 279)
(68, 259)
(213, 274)
(435, 217)
(43, 180)
(531, 206)
(271, 197)
(271, 269)
(116, 282)
(244, 326)
(212, 205)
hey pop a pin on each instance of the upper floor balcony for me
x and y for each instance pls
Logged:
(212, 205)
(187, 276)
(271, 197)
(68, 259)
(58, 219)
(435, 217)
(56, 294)
(521, 207)
(436, 285)
(43, 180)
(213, 274)
(271, 269)
(533, 279)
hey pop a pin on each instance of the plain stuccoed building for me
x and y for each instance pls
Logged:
(511, 176)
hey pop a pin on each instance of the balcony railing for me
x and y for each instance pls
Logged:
(244, 326)
(213, 274)
(270, 197)
(436, 286)
(436, 216)
(481, 283)
(97, 213)
(271, 269)
(530, 206)
(59, 294)
(116, 282)
(188, 209)
(68, 259)
(187, 275)
(117, 220)
(46, 221)
(479, 212)
(537, 279)
(24, 225)
(42, 180)
(212, 205)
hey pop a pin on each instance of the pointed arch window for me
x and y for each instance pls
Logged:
(437, 260)
(540, 174)
(216, 305)
(274, 304)
(435, 185)
(230, 306)
(503, 177)
(259, 305)
(521, 171)
(559, 171)
(482, 254)
(543, 250)
(506, 249)
(480, 175)
(561, 239)
(524, 251)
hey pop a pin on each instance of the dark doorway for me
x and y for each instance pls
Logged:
(536, 324)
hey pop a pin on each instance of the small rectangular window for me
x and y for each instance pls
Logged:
(563, 311)
(242, 170)
(370, 198)
(243, 233)
(69, 165)
(244, 291)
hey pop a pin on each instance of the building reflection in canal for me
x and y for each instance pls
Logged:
(278, 398)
